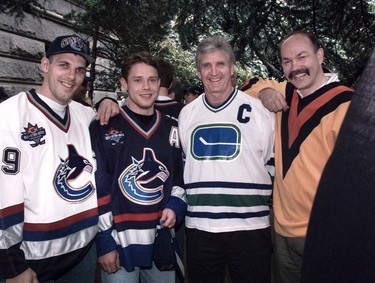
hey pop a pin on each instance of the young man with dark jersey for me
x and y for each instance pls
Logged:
(48, 202)
(310, 108)
(227, 137)
(139, 178)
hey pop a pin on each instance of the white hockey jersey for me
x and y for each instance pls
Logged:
(229, 151)
(48, 202)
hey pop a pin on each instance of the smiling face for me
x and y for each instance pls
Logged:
(142, 85)
(216, 71)
(302, 63)
(63, 75)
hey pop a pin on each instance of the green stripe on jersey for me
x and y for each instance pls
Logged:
(227, 200)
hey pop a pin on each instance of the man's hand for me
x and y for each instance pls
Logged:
(168, 218)
(110, 262)
(28, 276)
(273, 100)
(107, 109)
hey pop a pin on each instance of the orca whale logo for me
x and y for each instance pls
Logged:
(142, 181)
(69, 170)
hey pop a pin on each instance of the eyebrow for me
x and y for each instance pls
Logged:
(215, 63)
(299, 54)
(63, 61)
(142, 77)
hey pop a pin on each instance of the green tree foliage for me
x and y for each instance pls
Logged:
(17, 8)
(173, 28)
(120, 28)
(346, 29)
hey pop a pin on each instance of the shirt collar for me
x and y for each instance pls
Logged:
(330, 78)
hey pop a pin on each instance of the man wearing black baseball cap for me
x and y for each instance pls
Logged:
(48, 207)
(70, 44)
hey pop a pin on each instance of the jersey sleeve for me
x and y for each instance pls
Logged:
(12, 259)
(103, 176)
(181, 130)
(262, 84)
(268, 121)
(269, 142)
(177, 201)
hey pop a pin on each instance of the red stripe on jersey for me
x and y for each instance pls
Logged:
(137, 217)
(104, 200)
(297, 120)
(14, 209)
(62, 223)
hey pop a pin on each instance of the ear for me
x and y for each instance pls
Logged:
(232, 71)
(44, 63)
(320, 54)
(124, 85)
(199, 75)
(172, 95)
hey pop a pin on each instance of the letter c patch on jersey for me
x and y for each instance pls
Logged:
(216, 142)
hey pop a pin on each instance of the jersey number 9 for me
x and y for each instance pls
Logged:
(11, 160)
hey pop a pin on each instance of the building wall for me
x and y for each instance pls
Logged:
(23, 43)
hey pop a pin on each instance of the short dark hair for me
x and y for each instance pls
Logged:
(178, 90)
(313, 39)
(140, 57)
(165, 70)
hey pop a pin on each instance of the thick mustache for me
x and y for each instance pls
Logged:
(292, 74)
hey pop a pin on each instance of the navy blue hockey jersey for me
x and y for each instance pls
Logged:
(139, 173)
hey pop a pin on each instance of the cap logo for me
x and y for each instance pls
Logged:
(75, 43)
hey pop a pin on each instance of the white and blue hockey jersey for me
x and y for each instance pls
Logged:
(48, 202)
(229, 158)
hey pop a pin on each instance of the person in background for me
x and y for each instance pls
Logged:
(176, 91)
(48, 202)
(139, 178)
(191, 93)
(165, 101)
(228, 138)
(81, 94)
(166, 104)
(310, 108)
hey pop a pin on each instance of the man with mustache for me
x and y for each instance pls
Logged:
(310, 109)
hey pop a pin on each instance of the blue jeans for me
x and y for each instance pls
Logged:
(152, 275)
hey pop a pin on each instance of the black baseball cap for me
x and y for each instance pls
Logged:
(70, 44)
